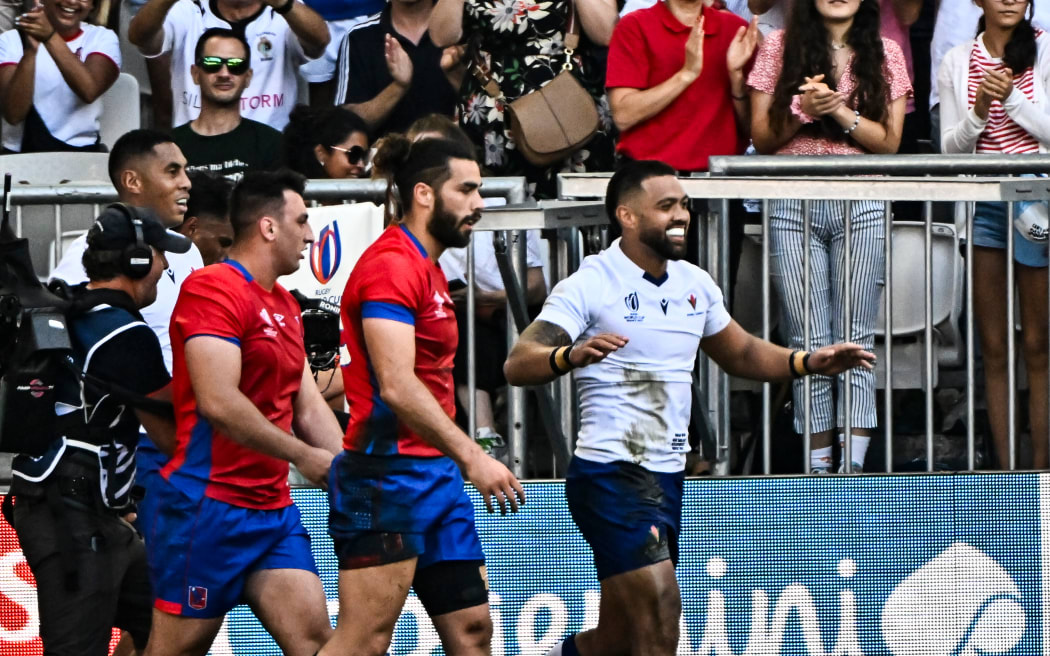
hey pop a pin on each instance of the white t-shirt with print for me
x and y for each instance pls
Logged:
(157, 314)
(635, 404)
(487, 276)
(66, 116)
(276, 57)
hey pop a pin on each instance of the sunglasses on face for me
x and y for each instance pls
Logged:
(355, 154)
(234, 65)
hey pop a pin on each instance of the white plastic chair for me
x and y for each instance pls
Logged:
(909, 278)
(121, 112)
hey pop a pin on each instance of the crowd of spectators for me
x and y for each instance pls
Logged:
(258, 84)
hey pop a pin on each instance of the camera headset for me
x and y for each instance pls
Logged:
(135, 259)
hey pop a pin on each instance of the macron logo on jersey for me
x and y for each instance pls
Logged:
(440, 302)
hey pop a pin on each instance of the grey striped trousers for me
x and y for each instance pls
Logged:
(827, 310)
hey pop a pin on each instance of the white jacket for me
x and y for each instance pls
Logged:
(960, 125)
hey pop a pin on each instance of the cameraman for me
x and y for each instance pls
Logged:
(89, 563)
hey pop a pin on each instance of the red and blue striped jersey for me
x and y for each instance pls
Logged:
(224, 301)
(396, 280)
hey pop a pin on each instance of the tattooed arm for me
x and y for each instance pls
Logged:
(529, 362)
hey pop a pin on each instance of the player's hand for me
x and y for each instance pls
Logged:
(595, 349)
(398, 62)
(694, 49)
(837, 358)
(314, 464)
(494, 481)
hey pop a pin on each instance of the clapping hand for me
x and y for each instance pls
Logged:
(398, 62)
(743, 46)
(694, 49)
(818, 99)
(34, 27)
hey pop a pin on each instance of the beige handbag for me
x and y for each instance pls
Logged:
(554, 121)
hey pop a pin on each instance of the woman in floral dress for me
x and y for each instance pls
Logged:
(522, 45)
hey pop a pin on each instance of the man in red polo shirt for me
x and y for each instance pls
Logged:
(677, 85)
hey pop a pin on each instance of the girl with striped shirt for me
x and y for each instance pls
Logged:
(994, 100)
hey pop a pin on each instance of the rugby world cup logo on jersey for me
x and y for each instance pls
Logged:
(632, 303)
(326, 253)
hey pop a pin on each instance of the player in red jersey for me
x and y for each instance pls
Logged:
(400, 516)
(226, 530)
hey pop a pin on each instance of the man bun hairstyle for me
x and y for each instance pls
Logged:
(627, 180)
(404, 164)
(259, 194)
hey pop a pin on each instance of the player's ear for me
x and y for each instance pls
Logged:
(626, 217)
(423, 195)
(268, 228)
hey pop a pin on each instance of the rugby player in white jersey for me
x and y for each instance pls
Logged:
(630, 322)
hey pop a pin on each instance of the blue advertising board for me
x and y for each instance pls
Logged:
(923, 565)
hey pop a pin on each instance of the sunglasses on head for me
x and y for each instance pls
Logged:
(355, 154)
(234, 65)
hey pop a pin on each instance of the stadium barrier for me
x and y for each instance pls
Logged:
(903, 565)
(908, 304)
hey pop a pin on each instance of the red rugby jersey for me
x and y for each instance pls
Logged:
(223, 301)
(395, 279)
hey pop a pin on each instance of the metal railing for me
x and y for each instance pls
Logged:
(505, 225)
(741, 180)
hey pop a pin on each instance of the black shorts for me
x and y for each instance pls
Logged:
(107, 563)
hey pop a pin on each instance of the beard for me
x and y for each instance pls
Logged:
(444, 226)
(657, 240)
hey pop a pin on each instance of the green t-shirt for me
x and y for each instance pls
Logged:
(251, 146)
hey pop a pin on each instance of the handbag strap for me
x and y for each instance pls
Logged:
(572, 41)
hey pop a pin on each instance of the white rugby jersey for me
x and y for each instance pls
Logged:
(66, 116)
(635, 404)
(276, 57)
(158, 313)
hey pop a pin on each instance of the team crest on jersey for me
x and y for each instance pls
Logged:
(265, 48)
(326, 253)
(692, 300)
(198, 597)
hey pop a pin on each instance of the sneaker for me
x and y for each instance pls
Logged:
(819, 471)
(491, 443)
(857, 469)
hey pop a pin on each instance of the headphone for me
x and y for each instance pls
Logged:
(136, 259)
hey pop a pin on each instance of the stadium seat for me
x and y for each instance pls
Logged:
(909, 271)
(38, 221)
(121, 111)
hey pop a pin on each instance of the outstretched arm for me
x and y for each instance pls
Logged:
(529, 362)
(742, 354)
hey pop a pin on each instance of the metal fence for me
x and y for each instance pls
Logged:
(849, 178)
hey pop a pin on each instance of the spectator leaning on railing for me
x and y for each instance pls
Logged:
(830, 84)
(220, 140)
(53, 70)
(993, 93)
(283, 33)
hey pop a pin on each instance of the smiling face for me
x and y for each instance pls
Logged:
(336, 158)
(659, 217)
(222, 88)
(838, 11)
(158, 181)
(1003, 14)
(66, 15)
